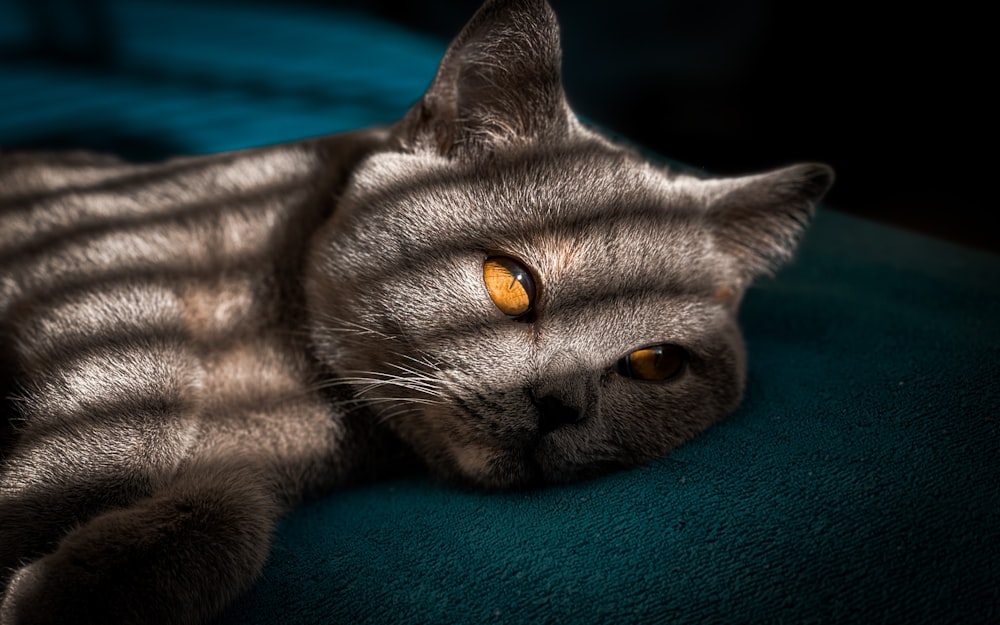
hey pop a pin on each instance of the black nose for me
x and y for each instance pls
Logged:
(553, 414)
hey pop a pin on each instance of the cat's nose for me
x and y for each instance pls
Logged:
(553, 413)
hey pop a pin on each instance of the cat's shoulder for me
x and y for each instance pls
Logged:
(29, 177)
(74, 216)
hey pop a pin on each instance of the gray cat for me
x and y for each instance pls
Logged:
(487, 289)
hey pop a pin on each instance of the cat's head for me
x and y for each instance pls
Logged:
(523, 301)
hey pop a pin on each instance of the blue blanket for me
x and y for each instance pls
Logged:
(859, 481)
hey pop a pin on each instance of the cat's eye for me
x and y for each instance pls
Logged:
(510, 285)
(653, 363)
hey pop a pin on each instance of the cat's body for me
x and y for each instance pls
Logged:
(160, 347)
(195, 346)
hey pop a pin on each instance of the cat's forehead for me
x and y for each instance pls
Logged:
(590, 212)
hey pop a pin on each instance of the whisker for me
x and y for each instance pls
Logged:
(370, 384)
(388, 415)
(425, 361)
(414, 374)
(371, 381)
(428, 382)
(409, 400)
(414, 370)
(345, 326)
(397, 383)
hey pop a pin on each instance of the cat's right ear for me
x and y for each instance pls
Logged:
(759, 220)
(499, 84)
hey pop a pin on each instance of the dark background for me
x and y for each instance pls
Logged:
(893, 96)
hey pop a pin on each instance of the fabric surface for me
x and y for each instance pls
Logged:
(859, 480)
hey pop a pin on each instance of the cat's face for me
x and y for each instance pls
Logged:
(618, 260)
(524, 302)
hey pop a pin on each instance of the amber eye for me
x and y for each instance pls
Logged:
(657, 362)
(510, 285)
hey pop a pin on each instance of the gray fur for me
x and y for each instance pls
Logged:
(195, 346)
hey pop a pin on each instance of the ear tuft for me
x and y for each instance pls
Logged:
(759, 220)
(498, 83)
(809, 181)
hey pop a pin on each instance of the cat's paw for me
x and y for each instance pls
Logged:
(19, 604)
(175, 559)
(63, 588)
(25, 602)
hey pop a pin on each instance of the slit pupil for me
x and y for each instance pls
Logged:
(625, 366)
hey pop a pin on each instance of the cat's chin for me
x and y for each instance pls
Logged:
(468, 458)
(506, 472)
(482, 467)
(485, 467)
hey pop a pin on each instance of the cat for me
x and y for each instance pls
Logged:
(488, 290)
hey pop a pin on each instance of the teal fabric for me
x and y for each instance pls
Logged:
(195, 77)
(859, 481)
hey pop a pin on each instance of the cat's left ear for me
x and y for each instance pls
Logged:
(498, 84)
(758, 221)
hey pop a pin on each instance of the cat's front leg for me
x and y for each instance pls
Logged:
(177, 557)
